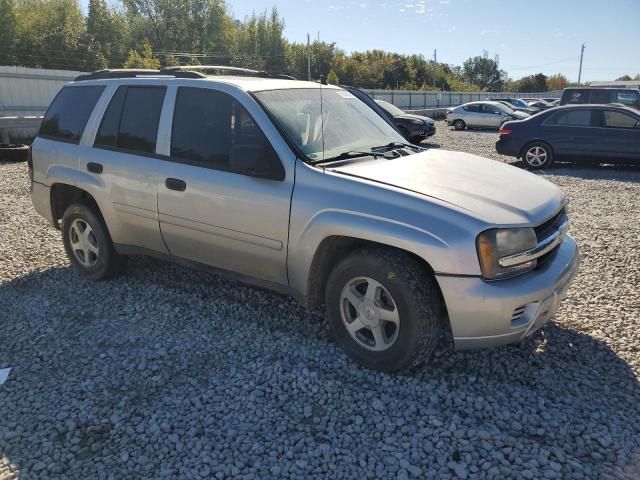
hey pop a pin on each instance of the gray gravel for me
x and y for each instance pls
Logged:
(170, 373)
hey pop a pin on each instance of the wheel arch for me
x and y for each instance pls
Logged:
(62, 195)
(335, 247)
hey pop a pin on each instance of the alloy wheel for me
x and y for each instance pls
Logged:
(369, 314)
(84, 243)
(536, 156)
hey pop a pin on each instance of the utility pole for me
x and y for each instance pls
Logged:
(308, 57)
(435, 55)
(580, 71)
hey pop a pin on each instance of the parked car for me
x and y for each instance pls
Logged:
(579, 131)
(540, 105)
(414, 128)
(552, 100)
(517, 104)
(371, 103)
(307, 192)
(481, 115)
(579, 96)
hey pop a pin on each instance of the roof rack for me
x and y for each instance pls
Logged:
(132, 73)
(217, 68)
(182, 71)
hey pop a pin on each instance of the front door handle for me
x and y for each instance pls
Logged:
(94, 167)
(175, 184)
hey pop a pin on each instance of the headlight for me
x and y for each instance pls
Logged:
(497, 243)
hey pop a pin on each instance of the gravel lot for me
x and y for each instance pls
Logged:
(170, 372)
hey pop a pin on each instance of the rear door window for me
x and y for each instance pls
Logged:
(131, 120)
(574, 118)
(69, 112)
(614, 119)
(472, 108)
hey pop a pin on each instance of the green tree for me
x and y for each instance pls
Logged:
(483, 72)
(146, 60)
(7, 31)
(623, 78)
(332, 78)
(108, 28)
(532, 83)
(52, 33)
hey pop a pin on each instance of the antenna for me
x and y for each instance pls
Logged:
(321, 120)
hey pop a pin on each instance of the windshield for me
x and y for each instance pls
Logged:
(392, 109)
(347, 124)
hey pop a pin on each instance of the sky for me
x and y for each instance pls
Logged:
(529, 36)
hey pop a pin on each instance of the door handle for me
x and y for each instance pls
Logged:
(175, 184)
(94, 167)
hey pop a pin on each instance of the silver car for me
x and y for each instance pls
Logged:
(485, 114)
(303, 189)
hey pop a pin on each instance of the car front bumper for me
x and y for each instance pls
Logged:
(485, 314)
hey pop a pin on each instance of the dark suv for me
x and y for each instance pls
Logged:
(629, 97)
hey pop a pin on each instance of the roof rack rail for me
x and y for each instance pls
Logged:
(217, 68)
(182, 71)
(132, 73)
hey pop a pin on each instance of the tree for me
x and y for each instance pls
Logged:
(532, 83)
(109, 30)
(52, 33)
(625, 78)
(146, 60)
(637, 77)
(484, 72)
(7, 30)
(556, 82)
(332, 78)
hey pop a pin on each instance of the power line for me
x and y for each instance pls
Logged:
(543, 64)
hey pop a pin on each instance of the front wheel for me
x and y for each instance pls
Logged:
(537, 155)
(383, 308)
(88, 244)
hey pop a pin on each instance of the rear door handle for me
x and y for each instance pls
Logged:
(175, 184)
(94, 167)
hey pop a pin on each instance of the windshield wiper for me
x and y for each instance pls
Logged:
(397, 145)
(349, 154)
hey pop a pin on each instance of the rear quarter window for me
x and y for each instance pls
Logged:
(67, 116)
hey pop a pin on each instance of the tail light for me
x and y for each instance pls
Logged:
(30, 164)
(504, 131)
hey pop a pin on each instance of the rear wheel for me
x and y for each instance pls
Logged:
(537, 155)
(459, 125)
(383, 309)
(88, 244)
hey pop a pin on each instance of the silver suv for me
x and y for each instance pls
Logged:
(303, 189)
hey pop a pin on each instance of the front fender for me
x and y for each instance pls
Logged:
(334, 222)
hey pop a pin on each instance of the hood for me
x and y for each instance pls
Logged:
(411, 116)
(520, 114)
(492, 191)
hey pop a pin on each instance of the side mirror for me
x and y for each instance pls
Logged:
(251, 160)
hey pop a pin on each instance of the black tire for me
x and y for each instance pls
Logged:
(107, 263)
(13, 153)
(538, 148)
(416, 298)
(459, 125)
